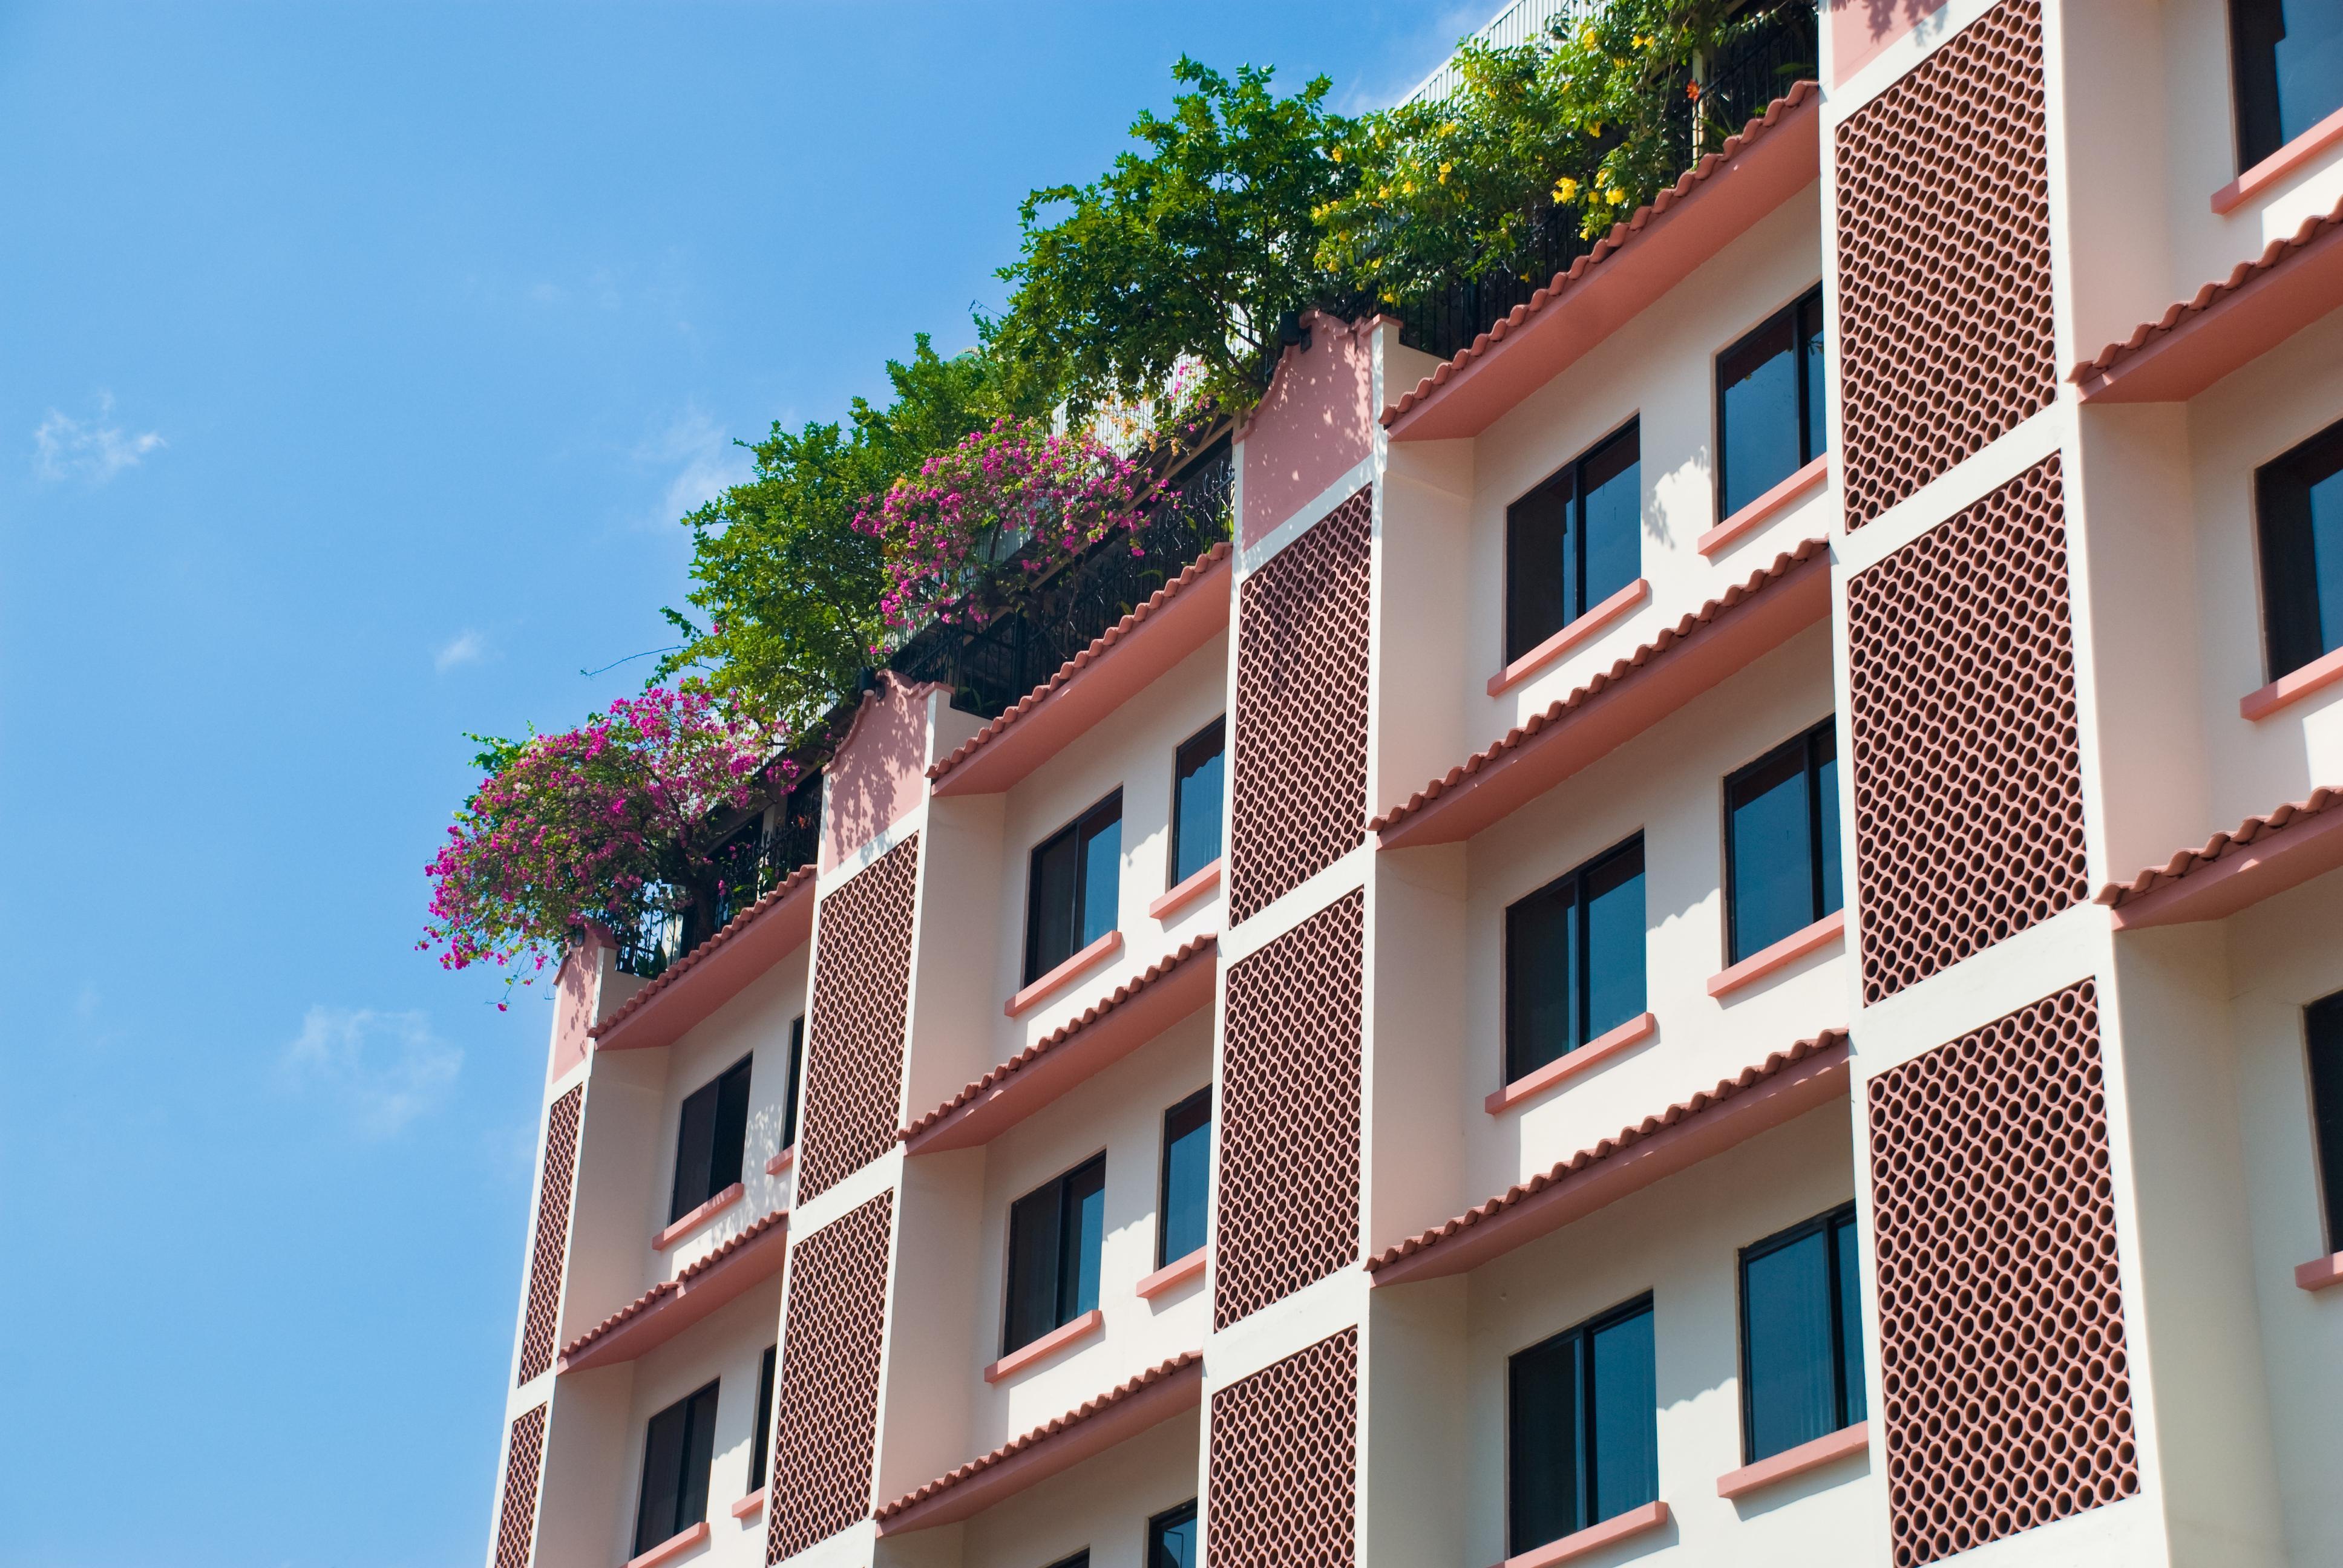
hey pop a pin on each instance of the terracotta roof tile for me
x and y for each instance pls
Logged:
(2274, 255)
(1209, 942)
(1555, 712)
(692, 959)
(665, 1288)
(1197, 569)
(1749, 1078)
(1606, 247)
(975, 1467)
(2219, 847)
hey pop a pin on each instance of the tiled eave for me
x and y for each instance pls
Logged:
(1786, 1084)
(715, 972)
(2229, 871)
(1152, 1397)
(1133, 1013)
(668, 1308)
(2229, 322)
(1714, 642)
(1181, 616)
(1775, 156)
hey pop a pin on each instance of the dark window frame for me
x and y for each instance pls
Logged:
(760, 1444)
(1827, 1223)
(1160, 1523)
(1079, 1560)
(1062, 1286)
(1580, 977)
(1516, 643)
(2285, 534)
(2258, 117)
(1202, 1097)
(724, 1152)
(2322, 1029)
(1082, 830)
(1585, 1444)
(1817, 858)
(684, 1516)
(1814, 425)
(796, 1067)
(1217, 733)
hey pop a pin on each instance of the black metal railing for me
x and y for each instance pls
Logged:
(758, 856)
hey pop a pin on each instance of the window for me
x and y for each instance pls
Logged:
(1574, 959)
(2323, 1022)
(1077, 879)
(708, 1146)
(2288, 59)
(1781, 842)
(1582, 1443)
(1196, 801)
(1054, 1235)
(796, 1067)
(1769, 404)
(1801, 1335)
(2300, 501)
(677, 1449)
(1172, 1538)
(1079, 1560)
(1573, 542)
(763, 1442)
(1187, 1149)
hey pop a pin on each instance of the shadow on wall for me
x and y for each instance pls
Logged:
(1314, 423)
(1860, 29)
(877, 774)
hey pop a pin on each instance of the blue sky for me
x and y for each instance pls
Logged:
(358, 361)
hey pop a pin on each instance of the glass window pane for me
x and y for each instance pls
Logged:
(1785, 1302)
(1613, 517)
(699, 1455)
(1541, 1444)
(1050, 913)
(1757, 410)
(1825, 743)
(1850, 1317)
(2323, 1022)
(1810, 337)
(694, 1143)
(1172, 1538)
(1101, 873)
(1196, 803)
(656, 1512)
(2310, 66)
(731, 1139)
(797, 1066)
(1625, 1403)
(1033, 1267)
(761, 1444)
(1537, 545)
(2299, 498)
(1083, 1236)
(1615, 940)
(1187, 1146)
(1538, 1010)
(2325, 506)
(1773, 876)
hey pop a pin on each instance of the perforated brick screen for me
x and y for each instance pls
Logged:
(2005, 1392)
(1283, 1468)
(1289, 1201)
(825, 1425)
(1298, 793)
(517, 1510)
(1944, 261)
(854, 1037)
(1968, 788)
(551, 1248)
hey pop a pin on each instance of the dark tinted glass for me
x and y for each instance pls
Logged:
(1081, 1237)
(1537, 560)
(761, 1444)
(1791, 1362)
(1759, 383)
(1613, 516)
(1050, 914)
(2290, 70)
(1810, 337)
(677, 1448)
(1615, 940)
(2300, 499)
(796, 1067)
(1574, 959)
(1781, 843)
(1196, 802)
(732, 1138)
(1079, 1560)
(695, 1145)
(1101, 873)
(1541, 1444)
(1034, 1245)
(2323, 1022)
(1187, 1149)
(1624, 1404)
(1172, 1538)
(1850, 1317)
(1823, 750)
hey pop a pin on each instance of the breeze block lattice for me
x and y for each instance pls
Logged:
(1968, 784)
(1946, 337)
(516, 1512)
(1298, 791)
(2006, 1391)
(551, 1245)
(826, 1427)
(861, 1001)
(1290, 1091)
(1283, 1468)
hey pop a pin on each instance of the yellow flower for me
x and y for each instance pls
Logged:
(1565, 189)
(1601, 176)
(1443, 172)
(1338, 155)
(1595, 130)
(1407, 187)
(1586, 38)
(1615, 197)
(1642, 41)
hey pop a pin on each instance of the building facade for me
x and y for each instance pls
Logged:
(1713, 936)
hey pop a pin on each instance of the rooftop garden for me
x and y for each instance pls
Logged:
(1006, 505)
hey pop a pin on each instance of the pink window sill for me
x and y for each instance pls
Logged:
(1186, 894)
(1105, 947)
(1571, 1063)
(750, 1506)
(1764, 508)
(1827, 1449)
(673, 1547)
(782, 1161)
(1780, 956)
(696, 1217)
(1048, 1345)
(1178, 1270)
(2326, 133)
(2293, 686)
(1593, 1538)
(1570, 637)
(2321, 1272)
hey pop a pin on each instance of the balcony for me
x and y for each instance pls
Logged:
(750, 864)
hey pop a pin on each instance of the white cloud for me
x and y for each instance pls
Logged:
(64, 447)
(467, 647)
(701, 460)
(385, 1068)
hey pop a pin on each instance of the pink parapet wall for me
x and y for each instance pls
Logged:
(880, 770)
(1314, 424)
(576, 993)
(1861, 29)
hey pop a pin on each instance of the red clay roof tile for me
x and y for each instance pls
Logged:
(2219, 847)
(665, 1288)
(692, 959)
